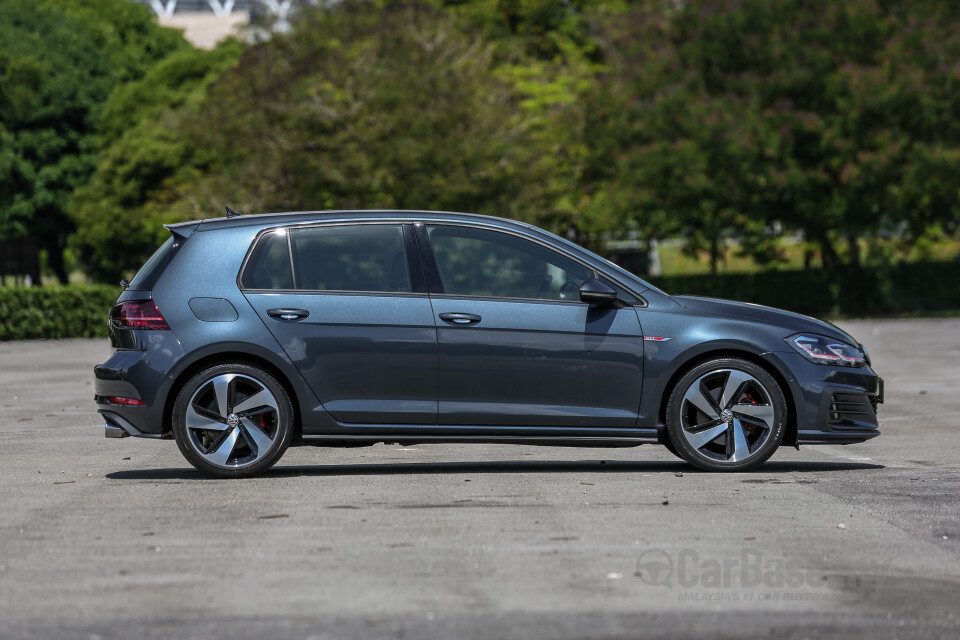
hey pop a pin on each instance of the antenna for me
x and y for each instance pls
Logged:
(230, 212)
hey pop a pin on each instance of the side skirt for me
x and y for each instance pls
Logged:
(339, 440)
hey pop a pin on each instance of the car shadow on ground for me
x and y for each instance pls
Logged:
(506, 466)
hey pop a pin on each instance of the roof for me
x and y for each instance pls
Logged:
(296, 217)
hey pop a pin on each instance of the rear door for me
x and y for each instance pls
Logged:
(517, 347)
(348, 303)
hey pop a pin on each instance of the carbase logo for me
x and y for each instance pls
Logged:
(747, 570)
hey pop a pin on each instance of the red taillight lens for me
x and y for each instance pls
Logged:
(137, 314)
(121, 400)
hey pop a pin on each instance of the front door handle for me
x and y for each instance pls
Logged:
(288, 314)
(460, 318)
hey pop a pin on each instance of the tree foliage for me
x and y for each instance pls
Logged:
(837, 120)
(145, 162)
(59, 61)
(396, 106)
(723, 122)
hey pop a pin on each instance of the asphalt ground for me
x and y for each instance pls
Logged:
(122, 539)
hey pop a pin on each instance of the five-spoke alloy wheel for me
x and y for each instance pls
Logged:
(233, 420)
(726, 415)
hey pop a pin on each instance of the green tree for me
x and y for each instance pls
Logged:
(59, 60)
(738, 119)
(362, 105)
(145, 161)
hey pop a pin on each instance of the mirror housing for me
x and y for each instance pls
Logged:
(595, 291)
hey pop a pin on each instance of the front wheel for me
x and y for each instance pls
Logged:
(728, 414)
(233, 420)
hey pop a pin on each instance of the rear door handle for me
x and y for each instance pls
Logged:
(288, 314)
(460, 318)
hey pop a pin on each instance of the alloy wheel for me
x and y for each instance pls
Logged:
(232, 420)
(727, 416)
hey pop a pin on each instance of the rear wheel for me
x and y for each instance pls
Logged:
(728, 414)
(233, 420)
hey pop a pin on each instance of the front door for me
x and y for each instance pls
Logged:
(517, 347)
(348, 304)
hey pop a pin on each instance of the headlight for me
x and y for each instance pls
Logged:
(823, 350)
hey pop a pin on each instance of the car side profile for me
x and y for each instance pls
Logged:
(242, 336)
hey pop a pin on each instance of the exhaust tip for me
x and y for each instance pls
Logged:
(113, 431)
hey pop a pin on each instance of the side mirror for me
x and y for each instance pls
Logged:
(595, 291)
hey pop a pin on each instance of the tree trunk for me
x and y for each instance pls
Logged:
(714, 254)
(54, 247)
(853, 249)
(828, 253)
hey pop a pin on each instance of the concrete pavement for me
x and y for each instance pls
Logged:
(121, 538)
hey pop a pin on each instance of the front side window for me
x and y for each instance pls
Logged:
(481, 262)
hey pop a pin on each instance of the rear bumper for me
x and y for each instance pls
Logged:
(141, 374)
(116, 427)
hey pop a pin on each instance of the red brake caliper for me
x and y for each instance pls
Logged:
(748, 399)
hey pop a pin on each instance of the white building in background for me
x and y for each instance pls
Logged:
(206, 22)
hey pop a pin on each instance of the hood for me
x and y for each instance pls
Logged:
(790, 321)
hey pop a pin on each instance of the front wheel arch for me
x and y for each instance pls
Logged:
(789, 436)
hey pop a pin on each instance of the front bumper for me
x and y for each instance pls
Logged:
(834, 405)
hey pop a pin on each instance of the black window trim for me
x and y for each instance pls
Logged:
(417, 281)
(436, 289)
(429, 275)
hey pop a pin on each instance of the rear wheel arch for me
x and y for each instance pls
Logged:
(790, 436)
(225, 357)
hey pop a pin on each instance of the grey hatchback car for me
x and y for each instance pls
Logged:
(244, 335)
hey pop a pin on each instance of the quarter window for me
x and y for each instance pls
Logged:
(480, 262)
(269, 265)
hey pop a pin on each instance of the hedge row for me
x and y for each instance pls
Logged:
(55, 312)
(915, 287)
(81, 312)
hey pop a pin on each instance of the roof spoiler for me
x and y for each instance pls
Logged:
(183, 230)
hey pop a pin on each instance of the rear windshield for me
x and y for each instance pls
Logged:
(148, 274)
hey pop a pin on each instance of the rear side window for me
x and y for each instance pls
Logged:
(151, 270)
(350, 258)
(330, 258)
(269, 265)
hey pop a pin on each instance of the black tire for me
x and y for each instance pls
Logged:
(734, 400)
(237, 444)
(672, 449)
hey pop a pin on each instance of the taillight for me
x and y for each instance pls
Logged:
(137, 314)
(133, 402)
